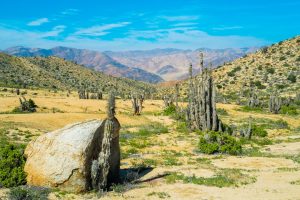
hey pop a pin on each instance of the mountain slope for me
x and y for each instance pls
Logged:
(274, 68)
(91, 59)
(156, 60)
(56, 73)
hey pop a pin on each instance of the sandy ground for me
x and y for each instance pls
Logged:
(273, 176)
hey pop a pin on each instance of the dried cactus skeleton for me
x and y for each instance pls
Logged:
(201, 111)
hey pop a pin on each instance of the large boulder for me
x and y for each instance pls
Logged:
(63, 158)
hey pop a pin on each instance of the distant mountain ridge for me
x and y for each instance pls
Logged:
(57, 73)
(156, 60)
(91, 59)
(152, 66)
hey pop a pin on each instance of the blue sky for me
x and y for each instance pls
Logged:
(140, 24)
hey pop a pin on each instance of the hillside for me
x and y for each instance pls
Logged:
(91, 59)
(56, 73)
(172, 64)
(271, 68)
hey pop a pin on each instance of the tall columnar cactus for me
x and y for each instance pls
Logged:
(176, 96)
(101, 172)
(253, 101)
(202, 112)
(247, 132)
(111, 106)
(168, 101)
(137, 103)
(275, 103)
(297, 98)
(99, 95)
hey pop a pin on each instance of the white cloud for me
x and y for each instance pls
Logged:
(54, 32)
(38, 22)
(180, 18)
(182, 24)
(70, 11)
(177, 37)
(100, 30)
(227, 28)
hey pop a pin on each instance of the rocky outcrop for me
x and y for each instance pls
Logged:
(63, 158)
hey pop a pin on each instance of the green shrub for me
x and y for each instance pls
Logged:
(292, 78)
(250, 109)
(270, 70)
(11, 166)
(288, 110)
(170, 110)
(28, 193)
(259, 131)
(281, 124)
(216, 142)
(222, 111)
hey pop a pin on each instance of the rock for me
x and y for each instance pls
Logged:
(63, 158)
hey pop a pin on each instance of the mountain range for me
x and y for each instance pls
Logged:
(91, 59)
(151, 66)
(57, 73)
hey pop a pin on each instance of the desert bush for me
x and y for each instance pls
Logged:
(11, 165)
(222, 111)
(292, 77)
(170, 110)
(270, 70)
(216, 142)
(289, 110)
(281, 124)
(28, 193)
(259, 131)
(249, 109)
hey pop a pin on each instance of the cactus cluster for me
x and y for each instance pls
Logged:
(253, 101)
(85, 94)
(247, 132)
(201, 111)
(275, 103)
(168, 100)
(137, 103)
(27, 106)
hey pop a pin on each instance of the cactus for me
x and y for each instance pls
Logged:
(176, 96)
(111, 106)
(253, 101)
(168, 101)
(102, 173)
(275, 103)
(247, 132)
(27, 106)
(137, 103)
(201, 111)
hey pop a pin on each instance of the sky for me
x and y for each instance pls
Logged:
(141, 25)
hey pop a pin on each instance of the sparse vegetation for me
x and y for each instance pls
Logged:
(11, 165)
(216, 142)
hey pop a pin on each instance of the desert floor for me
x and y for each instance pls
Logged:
(267, 169)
